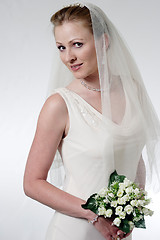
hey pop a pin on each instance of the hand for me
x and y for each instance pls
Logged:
(108, 230)
(126, 235)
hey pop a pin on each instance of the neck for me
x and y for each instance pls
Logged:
(93, 81)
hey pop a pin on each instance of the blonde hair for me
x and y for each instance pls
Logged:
(72, 13)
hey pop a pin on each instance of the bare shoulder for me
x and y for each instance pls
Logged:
(54, 111)
(55, 103)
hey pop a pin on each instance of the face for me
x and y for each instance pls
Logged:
(77, 50)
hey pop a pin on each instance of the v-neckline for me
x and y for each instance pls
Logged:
(97, 112)
(94, 109)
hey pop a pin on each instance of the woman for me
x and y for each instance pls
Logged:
(99, 122)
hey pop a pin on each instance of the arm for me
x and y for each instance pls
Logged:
(50, 128)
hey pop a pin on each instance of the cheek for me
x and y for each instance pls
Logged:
(89, 55)
(62, 58)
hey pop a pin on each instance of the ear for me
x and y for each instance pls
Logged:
(106, 40)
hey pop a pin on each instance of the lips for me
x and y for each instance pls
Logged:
(76, 67)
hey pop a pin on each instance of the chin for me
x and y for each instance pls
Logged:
(80, 75)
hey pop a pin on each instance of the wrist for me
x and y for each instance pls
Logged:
(94, 220)
(89, 215)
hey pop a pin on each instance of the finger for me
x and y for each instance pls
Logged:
(117, 238)
(126, 235)
(113, 233)
(120, 234)
(109, 238)
(117, 233)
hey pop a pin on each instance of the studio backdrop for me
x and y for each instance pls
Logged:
(26, 60)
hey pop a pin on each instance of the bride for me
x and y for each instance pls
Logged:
(98, 122)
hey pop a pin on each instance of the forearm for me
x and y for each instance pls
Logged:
(57, 199)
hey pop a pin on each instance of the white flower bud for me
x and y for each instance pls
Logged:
(103, 192)
(111, 195)
(128, 209)
(114, 204)
(134, 203)
(147, 212)
(121, 201)
(121, 186)
(117, 222)
(136, 191)
(108, 213)
(141, 202)
(120, 193)
(129, 189)
(105, 200)
(101, 211)
(126, 197)
(118, 210)
(122, 215)
(127, 182)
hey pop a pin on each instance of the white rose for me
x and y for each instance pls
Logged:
(121, 201)
(118, 210)
(121, 186)
(127, 182)
(129, 189)
(105, 200)
(96, 196)
(136, 191)
(141, 202)
(120, 193)
(114, 204)
(134, 203)
(103, 192)
(117, 222)
(111, 195)
(108, 213)
(101, 211)
(151, 212)
(126, 197)
(131, 224)
(147, 201)
(122, 215)
(147, 212)
(128, 209)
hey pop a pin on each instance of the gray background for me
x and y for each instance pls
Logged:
(26, 57)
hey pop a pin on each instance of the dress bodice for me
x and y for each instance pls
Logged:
(87, 150)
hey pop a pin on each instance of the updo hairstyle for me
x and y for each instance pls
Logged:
(72, 13)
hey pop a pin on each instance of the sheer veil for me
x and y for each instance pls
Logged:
(120, 83)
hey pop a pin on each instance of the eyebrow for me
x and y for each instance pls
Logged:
(71, 40)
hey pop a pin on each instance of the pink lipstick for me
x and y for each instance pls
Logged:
(76, 67)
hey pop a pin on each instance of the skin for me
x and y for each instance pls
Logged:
(76, 45)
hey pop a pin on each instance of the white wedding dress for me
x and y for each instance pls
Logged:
(86, 171)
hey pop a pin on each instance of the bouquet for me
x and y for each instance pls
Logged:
(122, 201)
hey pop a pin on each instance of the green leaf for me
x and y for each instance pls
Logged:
(91, 204)
(125, 227)
(140, 224)
(114, 177)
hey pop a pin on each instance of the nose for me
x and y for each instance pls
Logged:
(70, 57)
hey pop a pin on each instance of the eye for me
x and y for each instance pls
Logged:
(61, 48)
(78, 44)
